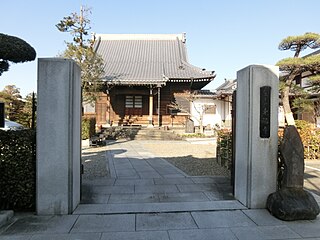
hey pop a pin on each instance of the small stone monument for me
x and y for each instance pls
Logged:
(292, 202)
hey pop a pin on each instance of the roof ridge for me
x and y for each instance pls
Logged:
(180, 36)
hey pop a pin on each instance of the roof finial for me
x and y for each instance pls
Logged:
(184, 37)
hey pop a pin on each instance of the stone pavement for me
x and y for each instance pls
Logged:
(148, 198)
(312, 176)
(142, 182)
(202, 225)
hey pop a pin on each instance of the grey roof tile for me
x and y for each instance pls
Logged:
(147, 59)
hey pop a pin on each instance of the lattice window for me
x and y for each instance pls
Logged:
(129, 101)
(133, 102)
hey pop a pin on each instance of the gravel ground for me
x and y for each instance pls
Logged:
(193, 159)
(95, 162)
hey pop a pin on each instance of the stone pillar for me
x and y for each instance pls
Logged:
(256, 134)
(58, 136)
(150, 118)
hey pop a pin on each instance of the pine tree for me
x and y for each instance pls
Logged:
(293, 68)
(81, 50)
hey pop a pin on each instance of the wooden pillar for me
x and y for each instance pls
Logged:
(108, 114)
(159, 107)
(150, 124)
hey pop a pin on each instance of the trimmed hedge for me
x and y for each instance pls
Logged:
(18, 170)
(88, 127)
(224, 148)
(310, 137)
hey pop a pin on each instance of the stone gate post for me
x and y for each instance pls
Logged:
(256, 134)
(58, 136)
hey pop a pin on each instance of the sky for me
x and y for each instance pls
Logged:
(222, 36)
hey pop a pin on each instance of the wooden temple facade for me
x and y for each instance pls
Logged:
(143, 72)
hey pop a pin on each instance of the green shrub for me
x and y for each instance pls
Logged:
(88, 127)
(310, 138)
(224, 148)
(113, 133)
(194, 135)
(18, 169)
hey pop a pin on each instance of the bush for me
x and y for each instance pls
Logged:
(310, 138)
(113, 133)
(224, 148)
(18, 169)
(88, 127)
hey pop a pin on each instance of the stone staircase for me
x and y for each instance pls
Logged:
(157, 134)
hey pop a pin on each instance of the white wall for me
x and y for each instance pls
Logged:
(223, 112)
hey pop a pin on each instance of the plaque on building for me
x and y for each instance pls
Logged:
(265, 103)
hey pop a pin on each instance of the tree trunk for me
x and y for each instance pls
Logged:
(201, 124)
(286, 102)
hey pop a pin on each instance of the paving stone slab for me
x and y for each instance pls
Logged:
(149, 174)
(214, 196)
(16, 237)
(129, 177)
(134, 198)
(95, 198)
(42, 224)
(123, 167)
(126, 173)
(111, 189)
(176, 175)
(156, 189)
(306, 229)
(104, 223)
(74, 236)
(157, 207)
(143, 168)
(222, 219)
(197, 187)
(278, 232)
(164, 221)
(202, 234)
(144, 235)
(166, 170)
(98, 181)
(264, 232)
(167, 181)
(183, 197)
(203, 179)
(126, 182)
(262, 217)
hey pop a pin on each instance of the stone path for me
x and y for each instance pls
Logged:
(312, 176)
(192, 225)
(142, 182)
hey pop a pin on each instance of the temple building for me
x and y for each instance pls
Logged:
(143, 73)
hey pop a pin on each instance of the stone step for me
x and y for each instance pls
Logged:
(156, 134)
(124, 208)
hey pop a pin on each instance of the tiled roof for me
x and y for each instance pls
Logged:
(135, 59)
(227, 88)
